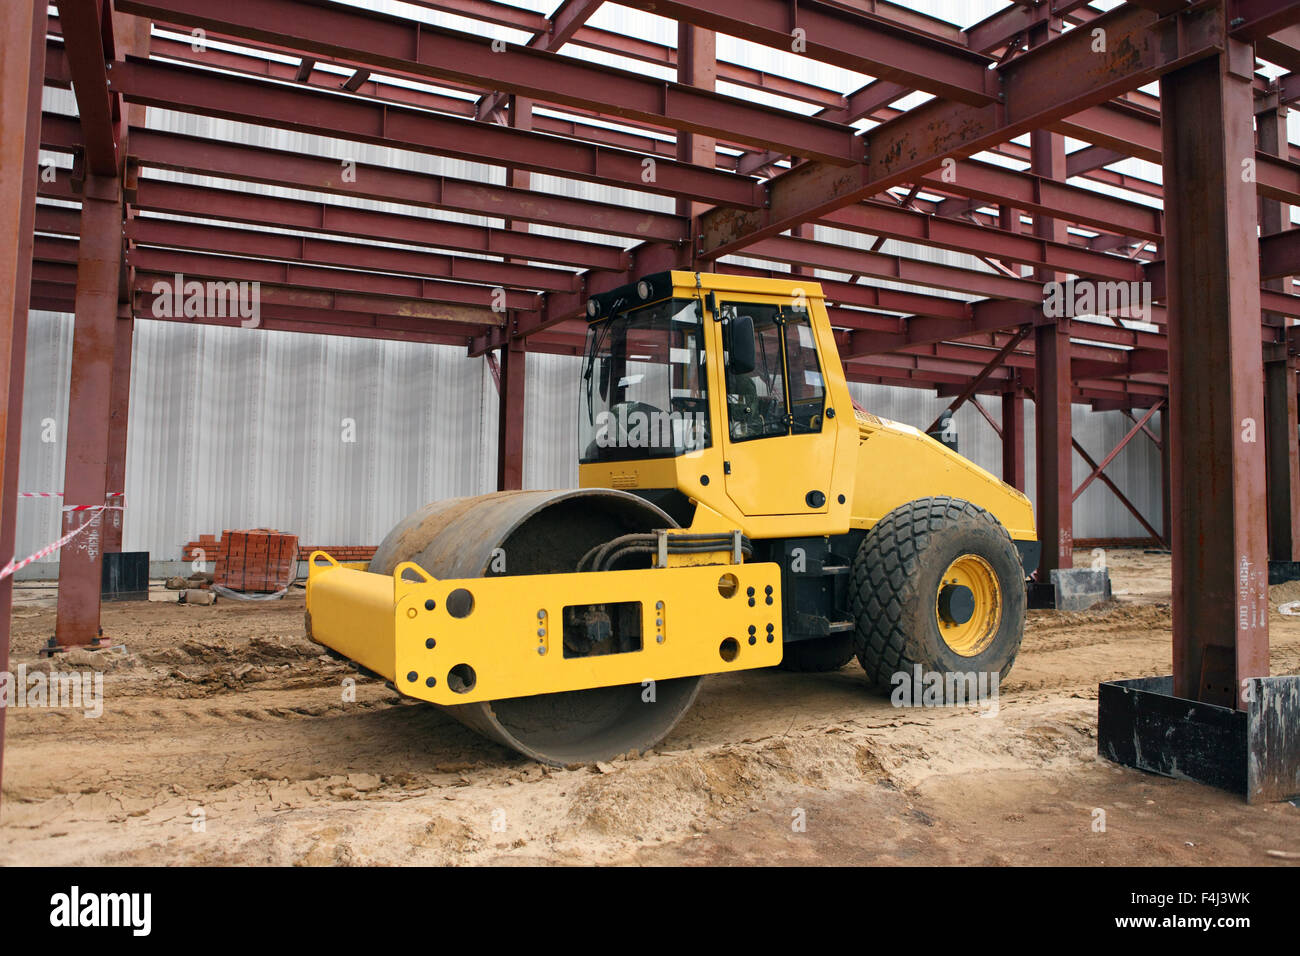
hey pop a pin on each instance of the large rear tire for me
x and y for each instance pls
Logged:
(937, 584)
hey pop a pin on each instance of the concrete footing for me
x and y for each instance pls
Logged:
(1071, 589)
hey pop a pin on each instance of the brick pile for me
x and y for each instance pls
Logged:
(209, 547)
(260, 559)
(339, 553)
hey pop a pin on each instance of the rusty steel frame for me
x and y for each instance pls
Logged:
(742, 178)
(88, 432)
(1114, 452)
(1013, 438)
(21, 73)
(1216, 400)
(1115, 490)
(993, 364)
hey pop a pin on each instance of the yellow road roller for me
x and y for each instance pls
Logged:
(735, 511)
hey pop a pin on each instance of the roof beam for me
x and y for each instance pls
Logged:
(998, 29)
(201, 237)
(228, 205)
(1040, 87)
(1279, 254)
(362, 38)
(843, 37)
(314, 111)
(1282, 48)
(1089, 158)
(271, 246)
(896, 222)
(1254, 19)
(407, 289)
(275, 167)
(567, 20)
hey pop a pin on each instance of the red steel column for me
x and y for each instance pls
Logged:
(805, 230)
(1220, 579)
(520, 113)
(513, 356)
(1281, 443)
(119, 407)
(1013, 404)
(1054, 451)
(132, 35)
(697, 64)
(510, 418)
(22, 72)
(1166, 485)
(1013, 439)
(99, 267)
(1274, 216)
(1008, 219)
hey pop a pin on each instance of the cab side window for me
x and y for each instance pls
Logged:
(784, 392)
(807, 390)
(756, 399)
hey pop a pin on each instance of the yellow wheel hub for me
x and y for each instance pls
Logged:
(968, 605)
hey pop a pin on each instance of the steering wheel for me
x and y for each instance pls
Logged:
(746, 408)
(690, 404)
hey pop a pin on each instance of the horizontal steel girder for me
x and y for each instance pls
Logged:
(420, 50)
(247, 100)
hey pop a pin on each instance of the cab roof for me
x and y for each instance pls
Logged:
(663, 285)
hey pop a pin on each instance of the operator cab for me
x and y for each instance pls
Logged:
(719, 391)
(645, 380)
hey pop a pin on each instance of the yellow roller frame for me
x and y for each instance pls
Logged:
(694, 620)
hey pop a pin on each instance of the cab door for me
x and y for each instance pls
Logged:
(778, 456)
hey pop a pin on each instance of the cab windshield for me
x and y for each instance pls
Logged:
(644, 388)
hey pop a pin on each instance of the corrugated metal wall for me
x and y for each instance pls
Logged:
(336, 439)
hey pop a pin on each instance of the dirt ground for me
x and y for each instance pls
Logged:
(226, 738)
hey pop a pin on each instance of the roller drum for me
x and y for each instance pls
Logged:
(543, 532)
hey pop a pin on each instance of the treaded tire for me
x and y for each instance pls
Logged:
(896, 577)
(818, 655)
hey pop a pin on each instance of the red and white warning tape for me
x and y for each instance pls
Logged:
(59, 494)
(14, 566)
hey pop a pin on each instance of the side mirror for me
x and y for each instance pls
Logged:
(740, 344)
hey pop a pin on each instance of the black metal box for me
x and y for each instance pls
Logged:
(126, 576)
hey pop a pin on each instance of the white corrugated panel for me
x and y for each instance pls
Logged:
(45, 417)
(334, 439)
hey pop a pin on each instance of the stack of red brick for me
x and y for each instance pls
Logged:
(341, 553)
(205, 549)
(209, 548)
(257, 560)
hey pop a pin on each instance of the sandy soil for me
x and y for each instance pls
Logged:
(226, 739)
